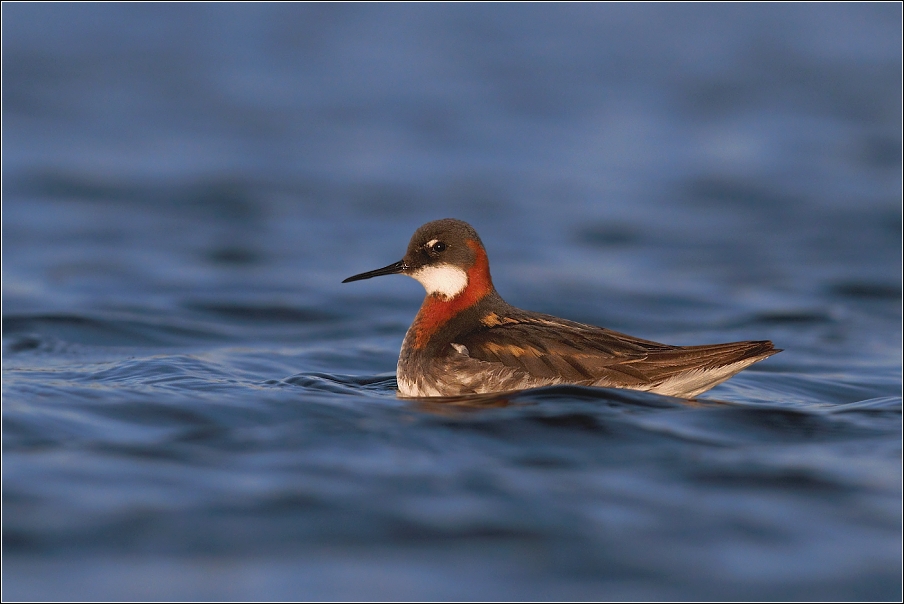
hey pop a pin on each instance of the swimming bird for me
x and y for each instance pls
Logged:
(466, 339)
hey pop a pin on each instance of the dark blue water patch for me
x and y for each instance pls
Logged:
(419, 573)
(235, 255)
(561, 394)
(860, 290)
(270, 314)
(761, 479)
(205, 322)
(250, 201)
(764, 425)
(23, 343)
(609, 235)
(773, 78)
(339, 384)
(227, 199)
(799, 318)
(882, 151)
(719, 192)
(95, 331)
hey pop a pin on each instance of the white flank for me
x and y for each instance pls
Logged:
(444, 280)
(416, 389)
(697, 381)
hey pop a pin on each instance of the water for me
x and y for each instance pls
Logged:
(195, 408)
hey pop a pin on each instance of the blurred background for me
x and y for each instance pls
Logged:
(195, 408)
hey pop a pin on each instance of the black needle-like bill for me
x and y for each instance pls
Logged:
(392, 269)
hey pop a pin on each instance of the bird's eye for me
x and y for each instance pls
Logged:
(439, 246)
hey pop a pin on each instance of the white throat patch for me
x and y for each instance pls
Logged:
(444, 280)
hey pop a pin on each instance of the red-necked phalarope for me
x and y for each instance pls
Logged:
(466, 339)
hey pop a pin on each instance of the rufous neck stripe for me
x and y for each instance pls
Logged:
(437, 311)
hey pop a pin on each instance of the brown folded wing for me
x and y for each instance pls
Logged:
(547, 347)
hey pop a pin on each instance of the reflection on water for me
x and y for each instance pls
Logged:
(194, 408)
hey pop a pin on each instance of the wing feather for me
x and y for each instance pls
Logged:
(546, 347)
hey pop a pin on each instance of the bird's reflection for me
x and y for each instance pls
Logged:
(455, 405)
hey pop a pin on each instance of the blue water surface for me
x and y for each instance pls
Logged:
(195, 408)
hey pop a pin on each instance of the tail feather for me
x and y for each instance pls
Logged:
(690, 370)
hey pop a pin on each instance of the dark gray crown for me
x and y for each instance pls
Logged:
(442, 242)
